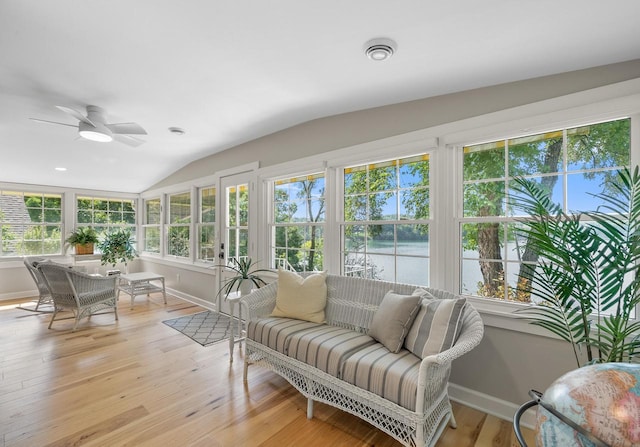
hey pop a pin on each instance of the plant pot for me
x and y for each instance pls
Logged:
(245, 287)
(84, 249)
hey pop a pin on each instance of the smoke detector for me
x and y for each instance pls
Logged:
(379, 49)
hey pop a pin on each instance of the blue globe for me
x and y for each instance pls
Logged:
(603, 399)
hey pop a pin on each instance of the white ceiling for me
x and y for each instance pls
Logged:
(231, 71)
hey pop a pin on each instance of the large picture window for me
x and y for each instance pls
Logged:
(385, 231)
(30, 223)
(570, 163)
(298, 227)
(179, 225)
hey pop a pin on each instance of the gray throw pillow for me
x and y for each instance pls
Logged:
(393, 318)
(436, 327)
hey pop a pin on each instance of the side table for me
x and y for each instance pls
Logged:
(234, 299)
(140, 283)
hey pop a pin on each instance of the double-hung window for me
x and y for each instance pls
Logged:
(179, 225)
(106, 214)
(572, 164)
(298, 223)
(207, 224)
(385, 232)
(151, 226)
(30, 223)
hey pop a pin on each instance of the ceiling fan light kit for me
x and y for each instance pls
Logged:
(94, 127)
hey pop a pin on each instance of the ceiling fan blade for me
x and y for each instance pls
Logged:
(128, 140)
(77, 115)
(126, 128)
(52, 122)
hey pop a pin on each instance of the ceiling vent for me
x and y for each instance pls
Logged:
(380, 49)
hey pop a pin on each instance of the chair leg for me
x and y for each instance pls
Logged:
(115, 311)
(53, 317)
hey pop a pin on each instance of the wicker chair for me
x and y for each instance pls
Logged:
(83, 294)
(31, 262)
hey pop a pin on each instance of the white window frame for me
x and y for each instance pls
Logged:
(169, 225)
(146, 225)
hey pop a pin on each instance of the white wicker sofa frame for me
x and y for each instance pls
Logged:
(351, 304)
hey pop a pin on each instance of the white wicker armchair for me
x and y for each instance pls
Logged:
(82, 294)
(351, 304)
(31, 262)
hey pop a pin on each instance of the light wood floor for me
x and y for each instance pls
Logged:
(141, 383)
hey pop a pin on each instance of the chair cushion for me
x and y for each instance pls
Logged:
(274, 332)
(393, 376)
(301, 298)
(326, 347)
(393, 318)
(436, 327)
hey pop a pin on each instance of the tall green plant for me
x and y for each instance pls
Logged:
(586, 281)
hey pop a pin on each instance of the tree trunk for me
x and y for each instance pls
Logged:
(489, 248)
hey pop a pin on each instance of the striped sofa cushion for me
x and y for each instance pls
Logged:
(391, 376)
(274, 331)
(326, 347)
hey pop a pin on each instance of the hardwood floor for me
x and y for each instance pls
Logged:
(138, 382)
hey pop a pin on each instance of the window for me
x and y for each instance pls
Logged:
(151, 226)
(206, 224)
(30, 223)
(179, 225)
(237, 221)
(105, 214)
(570, 163)
(298, 227)
(386, 220)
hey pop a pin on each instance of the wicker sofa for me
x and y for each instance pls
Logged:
(414, 408)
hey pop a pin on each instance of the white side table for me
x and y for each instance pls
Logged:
(235, 329)
(140, 284)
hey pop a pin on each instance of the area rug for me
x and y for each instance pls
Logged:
(205, 328)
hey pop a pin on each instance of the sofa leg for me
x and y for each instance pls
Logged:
(246, 370)
(309, 408)
(452, 421)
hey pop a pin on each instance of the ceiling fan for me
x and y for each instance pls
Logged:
(94, 127)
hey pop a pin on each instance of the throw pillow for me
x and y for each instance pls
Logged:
(393, 318)
(436, 327)
(301, 298)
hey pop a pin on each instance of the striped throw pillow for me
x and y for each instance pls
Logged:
(436, 327)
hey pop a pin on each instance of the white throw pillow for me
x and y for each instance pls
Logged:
(301, 298)
(393, 318)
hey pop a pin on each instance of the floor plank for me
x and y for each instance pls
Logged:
(138, 382)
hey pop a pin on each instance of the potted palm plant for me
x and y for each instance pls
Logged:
(83, 239)
(586, 282)
(245, 278)
(117, 247)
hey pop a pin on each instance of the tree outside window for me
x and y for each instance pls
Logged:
(298, 228)
(571, 164)
(151, 226)
(106, 214)
(206, 224)
(179, 225)
(386, 220)
(30, 223)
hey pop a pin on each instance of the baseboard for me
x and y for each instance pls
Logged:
(192, 299)
(18, 295)
(491, 405)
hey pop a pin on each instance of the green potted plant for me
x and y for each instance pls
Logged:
(117, 247)
(586, 281)
(83, 239)
(245, 279)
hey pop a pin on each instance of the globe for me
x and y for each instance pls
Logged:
(602, 399)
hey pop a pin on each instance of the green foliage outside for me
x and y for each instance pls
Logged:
(487, 182)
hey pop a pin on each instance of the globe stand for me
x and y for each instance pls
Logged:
(537, 400)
